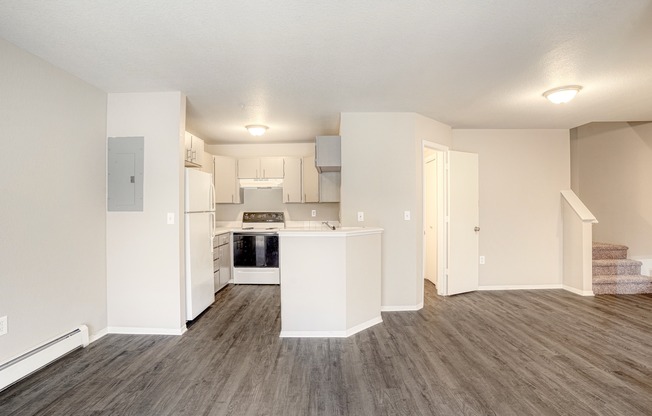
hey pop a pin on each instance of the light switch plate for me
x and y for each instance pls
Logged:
(3, 325)
(170, 217)
(313, 213)
(481, 259)
(406, 215)
(360, 216)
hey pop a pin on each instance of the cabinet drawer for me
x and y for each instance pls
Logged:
(216, 241)
(222, 239)
(216, 265)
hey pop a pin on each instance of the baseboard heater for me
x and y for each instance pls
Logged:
(25, 364)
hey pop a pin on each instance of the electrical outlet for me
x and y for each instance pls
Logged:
(170, 217)
(360, 216)
(481, 259)
(3, 325)
(313, 213)
(406, 215)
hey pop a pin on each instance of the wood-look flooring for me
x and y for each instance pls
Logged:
(545, 352)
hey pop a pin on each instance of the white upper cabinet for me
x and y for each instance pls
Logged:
(261, 168)
(194, 151)
(227, 187)
(292, 180)
(310, 179)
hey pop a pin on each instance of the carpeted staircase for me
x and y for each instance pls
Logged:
(614, 273)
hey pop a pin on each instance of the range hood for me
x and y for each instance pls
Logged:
(328, 156)
(261, 183)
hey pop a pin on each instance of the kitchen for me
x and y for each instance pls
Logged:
(261, 191)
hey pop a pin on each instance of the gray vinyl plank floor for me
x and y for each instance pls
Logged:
(545, 352)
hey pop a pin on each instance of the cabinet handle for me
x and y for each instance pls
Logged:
(256, 173)
(194, 155)
(231, 198)
(264, 173)
(305, 198)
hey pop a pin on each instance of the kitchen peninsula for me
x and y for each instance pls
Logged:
(330, 281)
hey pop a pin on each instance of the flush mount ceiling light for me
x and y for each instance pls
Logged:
(562, 94)
(256, 129)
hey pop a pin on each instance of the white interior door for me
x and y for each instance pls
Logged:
(463, 226)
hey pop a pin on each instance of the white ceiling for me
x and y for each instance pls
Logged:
(294, 65)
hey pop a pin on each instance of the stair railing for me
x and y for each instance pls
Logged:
(577, 224)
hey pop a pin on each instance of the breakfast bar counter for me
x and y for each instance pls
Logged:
(330, 281)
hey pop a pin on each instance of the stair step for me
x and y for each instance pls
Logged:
(609, 251)
(622, 284)
(616, 267)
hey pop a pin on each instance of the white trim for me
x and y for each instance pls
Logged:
(332, 334)
(521, 287)
(402, 308)
(340, 232)
(578, 291)
(99, 334)
(146, 331)
(364, 325)
(313, 334)
(578, 207)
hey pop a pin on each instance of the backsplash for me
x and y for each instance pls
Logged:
(272, 200)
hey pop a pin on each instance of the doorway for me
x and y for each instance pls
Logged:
(434, 225)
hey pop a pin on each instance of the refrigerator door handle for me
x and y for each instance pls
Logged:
(211, 219)
(212, 198)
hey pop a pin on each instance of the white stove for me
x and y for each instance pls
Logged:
(256, 248)
(263, 220)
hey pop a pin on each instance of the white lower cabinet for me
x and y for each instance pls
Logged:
(221, 260)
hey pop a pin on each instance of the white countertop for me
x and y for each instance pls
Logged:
(326, 232)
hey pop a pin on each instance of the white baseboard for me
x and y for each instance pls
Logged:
(521, 287)
(99, 334)
(20, 366)
(364, 325)
(402, 308)
(146, 331)
(332, 334)
(578, 291)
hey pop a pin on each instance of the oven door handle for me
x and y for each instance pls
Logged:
(255, 234)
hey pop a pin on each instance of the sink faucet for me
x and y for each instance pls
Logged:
(332, 227)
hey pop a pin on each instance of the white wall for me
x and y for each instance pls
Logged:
(52, 209)
(521, 175)
(382, 164)
(146, 284)
(612, 165)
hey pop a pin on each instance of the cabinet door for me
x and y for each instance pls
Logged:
(188, 147)
(310, 179)
(197, 150)
(271, 167)
(329, 187)
(249, 168)
(292, 180)
(226, 188)
(225, 263)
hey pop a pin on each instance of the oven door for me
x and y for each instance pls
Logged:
(255, 249)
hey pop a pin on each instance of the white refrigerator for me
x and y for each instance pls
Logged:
(199, 225)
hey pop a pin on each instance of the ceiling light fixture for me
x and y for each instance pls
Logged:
(256, 129)
(562, 94)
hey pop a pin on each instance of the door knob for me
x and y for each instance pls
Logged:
(476, 229)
